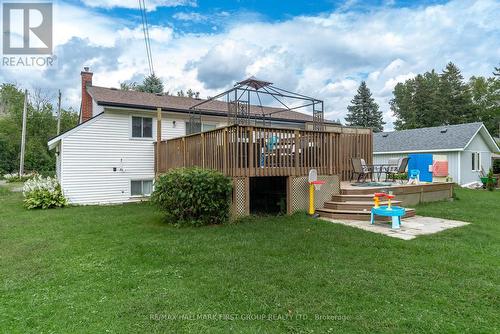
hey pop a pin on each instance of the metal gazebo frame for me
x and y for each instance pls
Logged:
(238, 100)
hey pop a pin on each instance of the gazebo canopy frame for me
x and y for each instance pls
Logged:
(239, 101)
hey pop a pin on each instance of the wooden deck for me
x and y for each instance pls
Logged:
(355, 202)
(248, 151)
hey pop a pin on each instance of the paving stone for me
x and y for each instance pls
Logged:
(410, 227)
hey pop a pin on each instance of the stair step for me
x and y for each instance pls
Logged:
(345, 198)
(356, 214)
(355, 205)
(365, 191)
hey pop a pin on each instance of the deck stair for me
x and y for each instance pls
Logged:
(355, 206)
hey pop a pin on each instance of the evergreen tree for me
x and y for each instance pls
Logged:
(151, 84)
(456, 105)
(364, 111)
(435, 99)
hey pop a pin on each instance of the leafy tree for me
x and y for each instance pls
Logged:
(416, 102)
(41, 126)
(486, 101)
(364, 111)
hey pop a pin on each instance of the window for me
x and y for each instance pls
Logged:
(208, 127)
(476, 161)
(142, 127)
(194, 127)
(141, 187)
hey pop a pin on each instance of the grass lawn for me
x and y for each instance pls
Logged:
(119, 269)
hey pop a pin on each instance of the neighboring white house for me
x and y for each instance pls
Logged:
(109, 156)
(467, 148)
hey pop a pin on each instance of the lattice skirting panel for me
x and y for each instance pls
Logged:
(299, 192)
(241, 197)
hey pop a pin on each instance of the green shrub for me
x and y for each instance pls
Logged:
(193, 196)
(43, 193)
(490, 182)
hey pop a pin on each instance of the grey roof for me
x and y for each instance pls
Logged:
(426, 139)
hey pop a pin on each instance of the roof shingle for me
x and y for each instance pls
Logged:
(435, 138)
(115, 97)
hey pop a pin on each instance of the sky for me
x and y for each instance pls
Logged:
(318, 48)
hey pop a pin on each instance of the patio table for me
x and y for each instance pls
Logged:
(378, 169)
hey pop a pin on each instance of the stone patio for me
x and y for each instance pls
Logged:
(410, 228)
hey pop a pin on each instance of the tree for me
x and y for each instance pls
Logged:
(435, 99)
(456, 105)
(41, 126)
(364, 111)
(486, 101)
(189, 93)
(128, 86)
(151, 84)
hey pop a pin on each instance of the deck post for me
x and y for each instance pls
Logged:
(330, 153)
(250, 151)
(202, 151)
(296, 153)
(183, 152)
(158, 141)
(224, 146)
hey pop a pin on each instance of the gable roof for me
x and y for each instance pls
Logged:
(131, 99)
(440, 138)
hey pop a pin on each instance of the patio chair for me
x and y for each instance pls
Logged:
(391, 167)
(360, 167)
(391, 173)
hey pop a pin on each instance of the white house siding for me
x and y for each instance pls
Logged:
(169, 130)
(89, 155)
(96, 109)
(453, 161)
(476, 145)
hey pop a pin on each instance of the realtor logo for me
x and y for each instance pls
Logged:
(27, 28)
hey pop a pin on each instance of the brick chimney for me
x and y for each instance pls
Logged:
(86, 112)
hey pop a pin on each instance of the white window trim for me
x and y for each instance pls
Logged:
(142, 186)
(478, 167)
(131, 137)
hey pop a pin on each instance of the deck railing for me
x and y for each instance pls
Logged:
(261, 151)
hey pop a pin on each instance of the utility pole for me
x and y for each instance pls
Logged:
(59, 113)
(23, 134)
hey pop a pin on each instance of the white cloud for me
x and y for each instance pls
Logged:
(325, 56)
(191, 16)
(150, 4)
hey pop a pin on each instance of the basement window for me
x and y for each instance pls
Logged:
(142, 127)
(141, 187)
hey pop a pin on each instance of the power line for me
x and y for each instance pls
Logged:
(147, 41)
